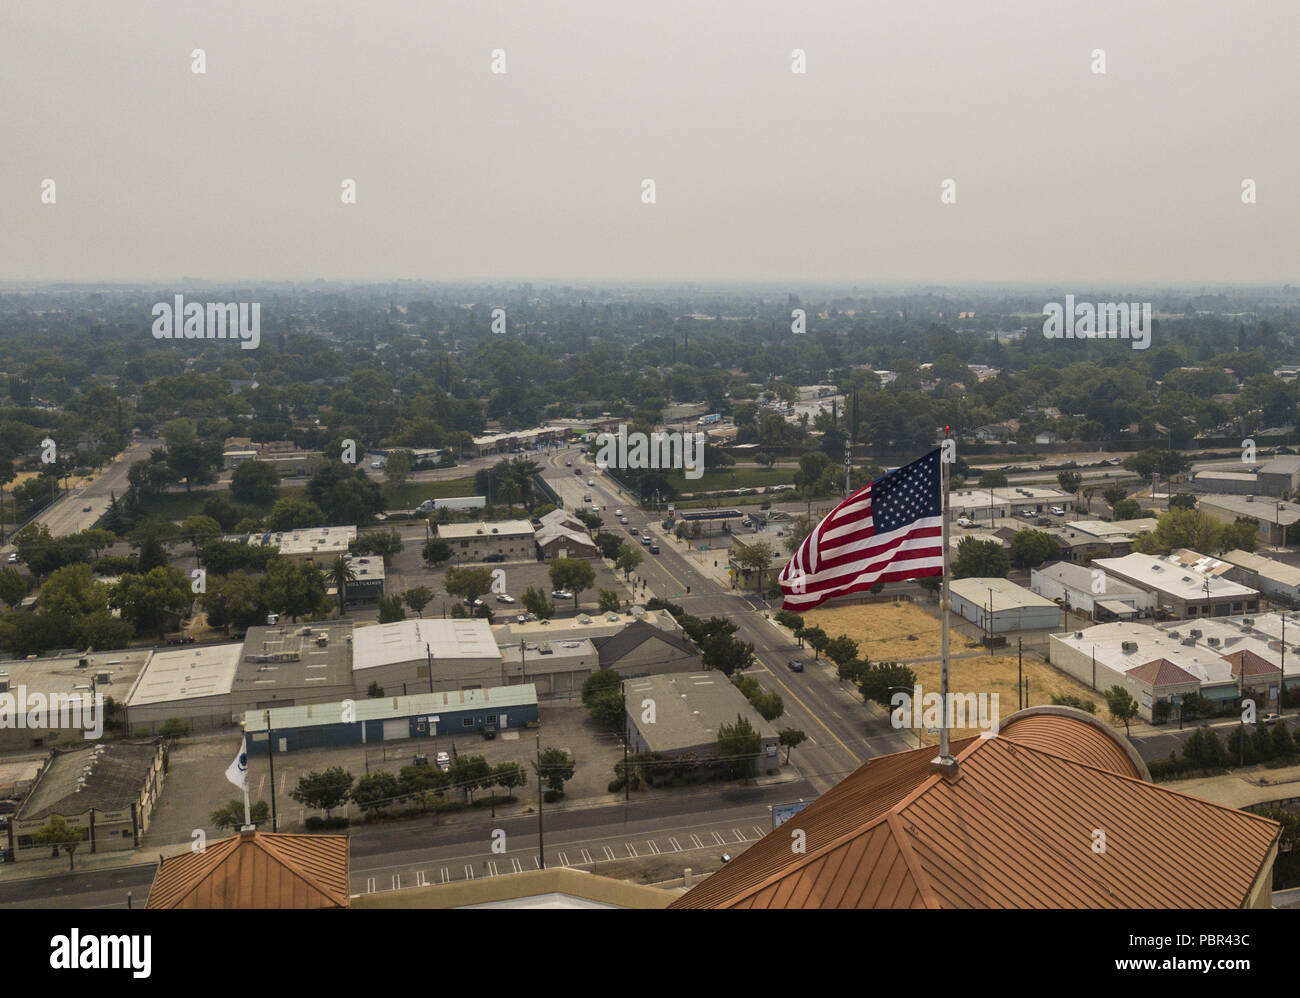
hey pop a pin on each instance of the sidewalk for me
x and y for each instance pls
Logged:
(35, 865)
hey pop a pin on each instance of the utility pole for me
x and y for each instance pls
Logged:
(1020, 675)
(627, 783)
(428, 654)
(541, 845)
(270, 756)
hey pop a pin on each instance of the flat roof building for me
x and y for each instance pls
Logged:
(1181, 589)
(191, 683)
(385, 719)
(689, 710)
(999, 606)
(397, 656)
(1275, 579)
(1091, 591)
(1273, 516)
(513, 540)
(289, 664)
(310, 545)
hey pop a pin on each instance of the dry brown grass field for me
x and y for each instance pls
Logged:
(897, 632)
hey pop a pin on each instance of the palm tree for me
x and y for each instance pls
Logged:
(340, 574)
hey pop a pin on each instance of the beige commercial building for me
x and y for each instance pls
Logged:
(398, 656)
(511, 540)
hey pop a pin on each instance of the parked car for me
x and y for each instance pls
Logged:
(587, 497)
(965, 521)
(85, 509)
(1057, 511)
(632, 531)
(444, 761)
(623, 520)
(13, 558)
(568, 463)
(578, 472)
(494, 557)
(645, 539)
(503, 598)
(561, 594)
(591, 482)
(619, 511)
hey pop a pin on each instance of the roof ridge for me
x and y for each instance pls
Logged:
(272, 848)
(914, 866)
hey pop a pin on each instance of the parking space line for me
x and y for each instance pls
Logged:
(420, 880)
(740, 836)
(469, 872)
(653, 848)
(370, 885)
(609, 853)
(564, 860)
(517, 865)
(758, 831)
(446, 875)
(397, 881)
(696, 840)
(492, 867)
(586, 856)
(720, 840)
(677, 846)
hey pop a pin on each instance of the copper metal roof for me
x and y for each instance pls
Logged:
(1016, 829)
(1069, 734)
(258, 870)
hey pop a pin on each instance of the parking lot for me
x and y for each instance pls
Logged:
(196, 783)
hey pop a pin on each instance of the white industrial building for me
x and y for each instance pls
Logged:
(462, 652)
(310, 545)
(1275, 579)
(191, 683)
(1090, 591)
(999, 606)
(1181, 589)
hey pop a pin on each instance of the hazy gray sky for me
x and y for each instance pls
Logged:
(1060, 173)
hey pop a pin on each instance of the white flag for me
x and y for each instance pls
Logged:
(237, 772)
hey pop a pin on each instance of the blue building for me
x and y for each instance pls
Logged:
(388, 719)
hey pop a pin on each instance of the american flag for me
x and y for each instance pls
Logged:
(884, 532)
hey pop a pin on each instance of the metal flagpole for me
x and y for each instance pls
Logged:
(944, 762)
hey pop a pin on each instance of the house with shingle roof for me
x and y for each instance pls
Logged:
(1013, 825)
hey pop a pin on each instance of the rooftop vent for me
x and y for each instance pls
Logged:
(1129, 646)
(1212, 641)
(1190, 642)
(1196, 632)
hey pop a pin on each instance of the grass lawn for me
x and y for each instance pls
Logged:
(739, 477)
(411, 494)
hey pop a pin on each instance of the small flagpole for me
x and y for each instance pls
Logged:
(944, 762)
(248, 814)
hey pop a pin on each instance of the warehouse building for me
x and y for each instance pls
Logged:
(289, 664)
(191, 683)
(1280, 477)
(387, 719)
(562, 542)
(107, 791)
(367, 584)
(1090, 591)
(593, 626)
(315, 545)
(556, 668)
(1180, 589)
(1274, 579)
(509, 539)
(74, 680)
(689, 710)
(1272, 516)
(463, 655)
(999, 607)
(641, 649)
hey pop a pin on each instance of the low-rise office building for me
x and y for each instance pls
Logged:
(367, 583)
(191, 683)
(1274, 579)
(315, 545)
(688, 711)
(366, 721)
(1090, 591)
(1084, 540)
(1180, 589)
(68, 685)
(107, 791)
(285, 665)
(1273, 517)
(512, 540)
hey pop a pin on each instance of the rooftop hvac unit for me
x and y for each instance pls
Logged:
(83, 663)
(4, 682)
(1213, 641)
(103, 677)
(1250, 498)
(1195, 632)
(1248, 621)
(1078, 635)
(495, 530)
(1174, 634)
(1190, 642)
(1129, 646)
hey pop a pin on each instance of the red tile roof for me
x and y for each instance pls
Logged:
(1251, 663)
(259, 870)
(1162, 672)
(1016, 829)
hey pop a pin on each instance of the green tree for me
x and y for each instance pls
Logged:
(554, 768)
(390, 609)
(383, 543)
(61, 835)
(791, 738)
(231, 599)
(1030, 548)
(468, 583)
(418, 598)
(1121, 705)
(296, 590)
(739, 746)
(608, 601)
(254, 482)
(376, 789)
(755, 557)
(536, 602)
(397, 469)
(436, 551)
(1182, 528)
(842, 649)
(1069, 481)
(978, 559)
(470, 773)
(324, 791)
(993, 479)
(150, 601)
(510, 775)
(573, 574)
(231, 814)
(629, 556)
(289, 513)
(340, 575)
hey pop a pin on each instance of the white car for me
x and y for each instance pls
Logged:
(1057, 511)
(503, 598)
(619, 511)
(965, 521)
(591, 481)
(13, 558)
(561, 594)
(444, 761)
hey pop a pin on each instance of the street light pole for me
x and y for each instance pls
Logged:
(541, 844)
